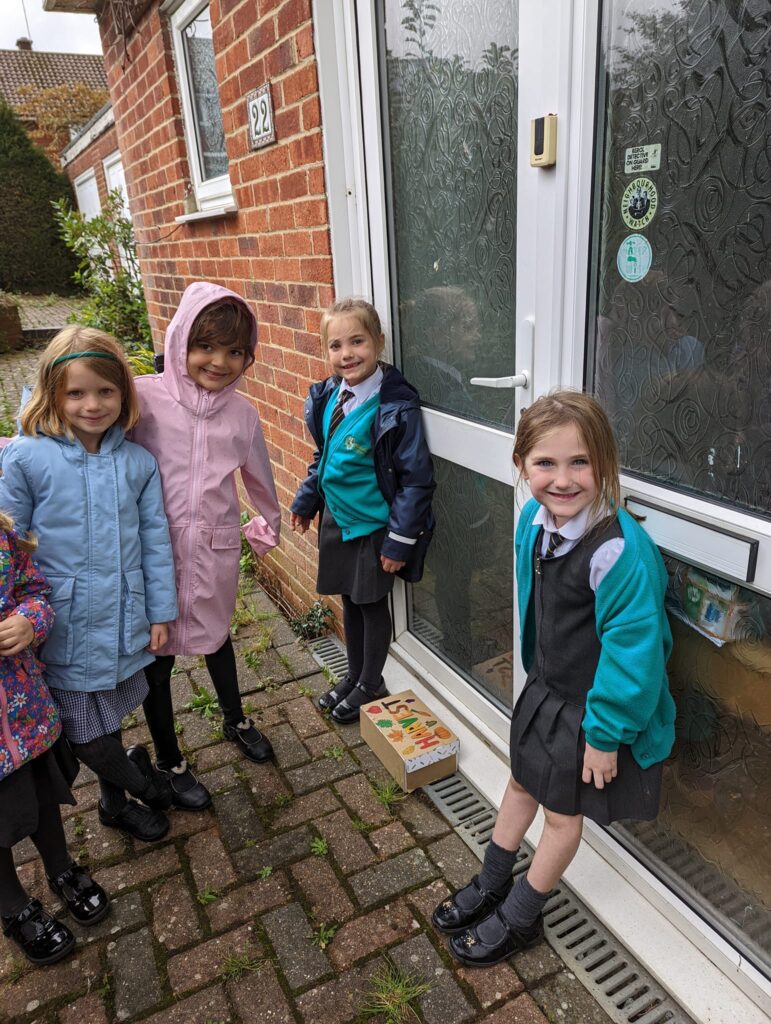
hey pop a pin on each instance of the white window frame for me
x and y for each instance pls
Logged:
(82, 181)
(212, 195)
(108, 164)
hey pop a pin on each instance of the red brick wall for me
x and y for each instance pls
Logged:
(92, 157)
(275, 251)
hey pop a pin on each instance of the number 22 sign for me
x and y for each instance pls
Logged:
(259, 112)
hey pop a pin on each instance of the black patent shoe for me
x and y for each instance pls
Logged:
(40, 937)
(136, 821)
(86, 900)
(501, 941)
(449, 917)
(157, 792)
(348, 709)
(252, 742)
(339, 692)
(187, 793)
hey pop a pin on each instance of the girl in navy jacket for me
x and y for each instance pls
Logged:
(372, 480)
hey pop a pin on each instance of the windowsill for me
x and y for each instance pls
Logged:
(212, 214)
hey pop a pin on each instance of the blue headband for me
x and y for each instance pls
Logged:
(82, 355)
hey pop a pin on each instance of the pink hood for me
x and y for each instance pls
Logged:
(201, 439)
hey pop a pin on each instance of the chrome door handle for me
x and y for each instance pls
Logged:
(521, 380)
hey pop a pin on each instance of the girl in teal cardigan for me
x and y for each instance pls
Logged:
(595, 719)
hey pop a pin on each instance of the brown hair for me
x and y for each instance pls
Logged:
(226, 323)
(562, 408)
(42, 414)
(364, 312)
(27, 543)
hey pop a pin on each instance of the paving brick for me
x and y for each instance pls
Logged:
(444, 1003)
(216, 756)
(391, 839)
(135, 984)
(359, 796)
(219, 779)
(350, 734)
(88, 1010)
(318, 745)
(264, 781)
(426, 899)
(290, 933)
(197, 730)
(563, 997)
(394, 876)
(209, 863)
(71, 977)
(305, 808)
(366, 935)
(84, 832)
(304, 718)
(203, 963)
(533, 965)
(257, 995)
(301, 662)
(249, 901)
(319, 773)
(341, 1000)
(523, 1010)
(186, 823)
(125, 912)
(140, 870)
(288, 747)
(456, 861)
(370, 765)
(203, 1008)
(273, 852)
(422, 821)
(237, 818)
(88, 798)
(327, 898)
(175, 921)
(492, 984)
(349, 848)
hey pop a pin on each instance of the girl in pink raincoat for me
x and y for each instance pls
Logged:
(201, 431)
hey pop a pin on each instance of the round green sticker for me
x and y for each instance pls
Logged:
(634, 258)
(639, 203)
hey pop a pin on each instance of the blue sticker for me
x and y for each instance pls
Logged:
(634, 258)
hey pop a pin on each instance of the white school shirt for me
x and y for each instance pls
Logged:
(603, 559)
(361, 392)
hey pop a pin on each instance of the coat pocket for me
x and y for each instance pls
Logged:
(225, 537)
(135, 626)
(57, 649)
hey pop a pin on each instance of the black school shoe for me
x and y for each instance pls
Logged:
(86, 900)
(252, 742)
(450, 917)
(136, 821)
(501, 941)
(40, 937)
(339, 692)
(348, 709)
(187, 793)
(157, 793)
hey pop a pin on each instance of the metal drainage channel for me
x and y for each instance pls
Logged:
(621, 987)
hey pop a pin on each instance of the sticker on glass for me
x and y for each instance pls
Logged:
(638, 159)
(639, 203)
(634, 258)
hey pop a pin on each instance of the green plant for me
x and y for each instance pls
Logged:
(337, 752)
(204, 702)
(235, 964)
(7, 420)
(265, 872)
(248, 562)
(252, 659)
(306, 691)
(141, 360)
(77, 826)
(388, 793)
(363, 826)
(323, 935)
(312, 623)
(129, 721)
(285, 662)
(207, 895)
(283, 800)
(18, 969)
(329, 675)
(248, 707)
(392, 994)
(319, 847)
(216, 733)
(178, 728)
(82, 854)
(241, 617)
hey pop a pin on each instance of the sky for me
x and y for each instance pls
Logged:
(60, 33)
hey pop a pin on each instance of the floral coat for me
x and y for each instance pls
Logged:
(29, 721)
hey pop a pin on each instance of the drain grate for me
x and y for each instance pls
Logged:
(624, 990)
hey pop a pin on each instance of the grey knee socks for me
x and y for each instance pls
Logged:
(497, 867)
(523, 905)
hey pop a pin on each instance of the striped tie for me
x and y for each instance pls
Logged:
(338, 412)
(555, 539)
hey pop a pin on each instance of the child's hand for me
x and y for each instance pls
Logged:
(16, 633)
(301, 523)
(600, 766)
(389, 565)
(159, 634)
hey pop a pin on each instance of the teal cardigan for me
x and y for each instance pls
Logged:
(630, 700)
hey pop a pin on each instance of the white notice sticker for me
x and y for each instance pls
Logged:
(642, 158)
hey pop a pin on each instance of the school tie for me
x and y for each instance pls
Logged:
(555, 539)
(338, 412)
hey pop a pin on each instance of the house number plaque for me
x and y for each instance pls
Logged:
(259, 114)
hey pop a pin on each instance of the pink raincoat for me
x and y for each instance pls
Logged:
(200, 438)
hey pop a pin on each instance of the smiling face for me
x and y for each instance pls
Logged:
(559, 472)
(213, 366)
(90, 405)
(353, 351)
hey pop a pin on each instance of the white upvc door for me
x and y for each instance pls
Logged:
(87, 194)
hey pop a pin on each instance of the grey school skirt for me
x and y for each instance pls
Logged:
(351, 567)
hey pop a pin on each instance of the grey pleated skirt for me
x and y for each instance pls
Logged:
(351, 567)
(547, 755)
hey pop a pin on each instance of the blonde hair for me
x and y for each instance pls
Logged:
(364, 312)
(41, 413)
(564, 408)
(27, 543)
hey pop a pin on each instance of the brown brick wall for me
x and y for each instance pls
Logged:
(275, 251)
(92, 157)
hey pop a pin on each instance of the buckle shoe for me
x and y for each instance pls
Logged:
(339, 692)
(86, 900)
(450, 917)
(40, 937)
(254, 744)
(348, 709)
(157, 792)
(139, 822)
(501, 942)
(187, 793)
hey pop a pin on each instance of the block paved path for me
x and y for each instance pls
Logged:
(222, 920)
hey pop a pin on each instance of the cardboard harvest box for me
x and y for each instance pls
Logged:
(412, 743)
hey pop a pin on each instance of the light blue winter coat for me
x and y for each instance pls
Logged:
(103, 543)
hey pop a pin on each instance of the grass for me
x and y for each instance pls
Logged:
(393, 993)
(363, 826)
(241, 617)
(319, 847)
(207, 895)
(329, 675)
(265, 872)
(235, 964)
(336, 752)
(323, 935)
(286, 663)
(306, 691)
(388, 793)
(18, 970)
(205, 703)
(283, 800)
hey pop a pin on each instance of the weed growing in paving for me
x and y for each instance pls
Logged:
(78, 827)
(129, 721)
(313, 623)
(235, 964)
(286, 663)
(178, 728)
(306, 691)
(388, 793)
(216, 733)
(241, 617)
(207, 896)
(392, 994)
(249, 707)
(265, 872)
(7, 420)
(205, 703)
(283, 800)
(363, 826)
(323, 935)
(329, 675)
(18, 969)
(336, 752)
(319, 847)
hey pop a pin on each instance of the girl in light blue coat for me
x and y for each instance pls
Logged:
(94, 501)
